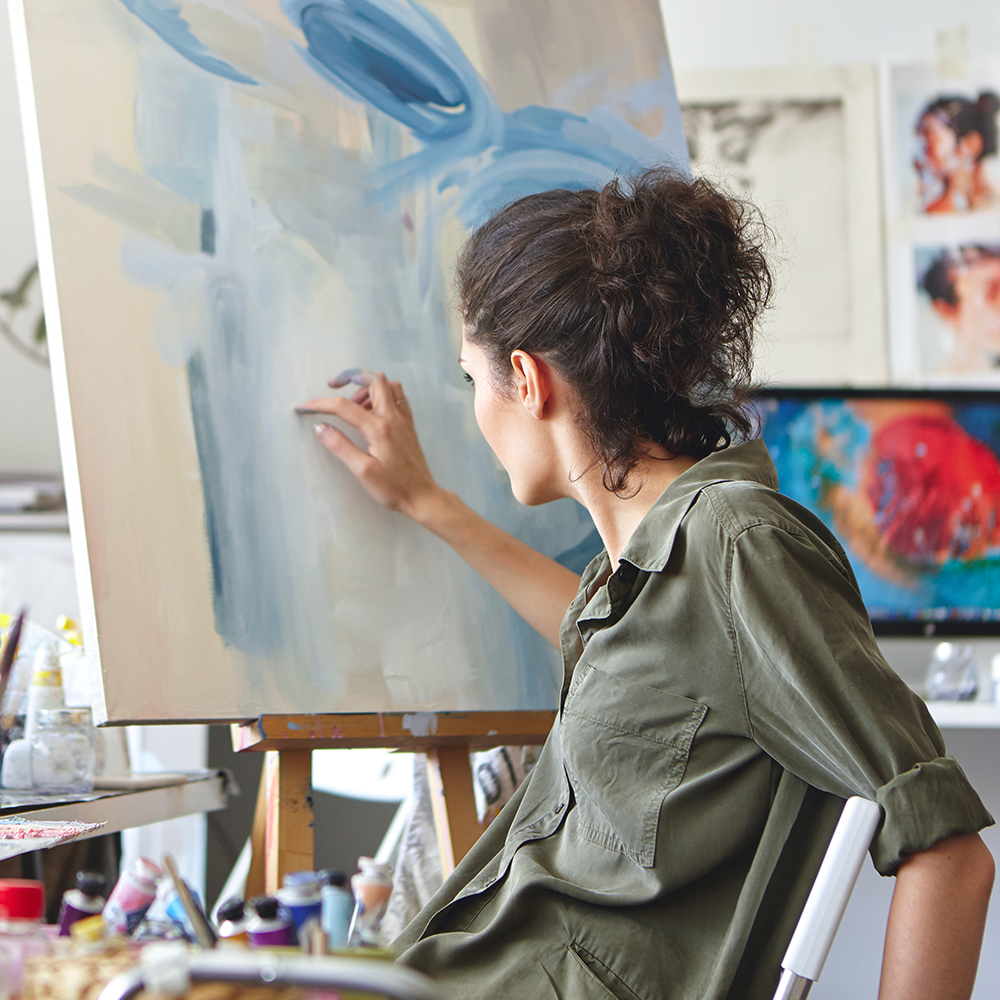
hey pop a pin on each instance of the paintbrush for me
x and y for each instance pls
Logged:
(9, 655)
(203, 932)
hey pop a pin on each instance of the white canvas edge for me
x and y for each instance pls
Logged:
(57, 355)
(857, 86)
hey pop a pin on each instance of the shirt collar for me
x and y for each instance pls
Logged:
(652, 541)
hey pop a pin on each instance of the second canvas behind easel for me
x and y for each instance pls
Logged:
(245, 199)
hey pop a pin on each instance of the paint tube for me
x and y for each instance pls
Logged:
(86, 900)
(269, 925)
(338, 908)
(132, 896)
(232, 919)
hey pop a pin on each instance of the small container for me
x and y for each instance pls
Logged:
(372, 887)
(338, 908)
(132, 896)
(62, 754)
(232, 919)
(953, 674)
(45, 690)
(174, 909)
(300, 896)
(22, 934)
(86, 900)
(269, 926)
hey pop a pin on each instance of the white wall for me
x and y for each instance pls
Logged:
(28, 440)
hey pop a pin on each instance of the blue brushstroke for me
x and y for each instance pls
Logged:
(399, 59)
(164, 17)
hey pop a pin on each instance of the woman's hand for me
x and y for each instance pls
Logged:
(393, 470)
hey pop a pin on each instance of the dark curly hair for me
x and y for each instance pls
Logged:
(963, 116)
(642, 296)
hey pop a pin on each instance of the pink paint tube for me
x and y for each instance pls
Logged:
(132, 896)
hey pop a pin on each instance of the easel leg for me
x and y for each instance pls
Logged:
(258, 841)
(449, 772)
(289, 845)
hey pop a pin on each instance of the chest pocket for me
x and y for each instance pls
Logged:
(625, 748)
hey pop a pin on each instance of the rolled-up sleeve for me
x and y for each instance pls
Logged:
(822, 701)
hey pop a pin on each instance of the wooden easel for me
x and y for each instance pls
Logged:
(282, 838)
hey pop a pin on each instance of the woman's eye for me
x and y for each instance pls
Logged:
(468, 378)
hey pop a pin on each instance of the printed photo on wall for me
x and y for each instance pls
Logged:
(945, 143)
(958, 308)
(942, 181)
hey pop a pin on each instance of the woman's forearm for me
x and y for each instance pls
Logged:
(936, 921)
(537, 587)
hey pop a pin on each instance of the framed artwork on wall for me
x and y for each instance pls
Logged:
(942, 182)
(802, 144)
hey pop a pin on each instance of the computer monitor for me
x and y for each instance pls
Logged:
(909, 481)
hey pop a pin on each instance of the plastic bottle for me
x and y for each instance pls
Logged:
(132, 896)
(372, 887)
(338, 908)
(45, 691)
(22, 934)
(232, 919)
(300, 896)
(86, 900)
(269, 926)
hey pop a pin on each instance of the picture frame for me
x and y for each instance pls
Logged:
(803, 145)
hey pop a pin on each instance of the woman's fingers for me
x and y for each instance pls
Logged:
(348, 411)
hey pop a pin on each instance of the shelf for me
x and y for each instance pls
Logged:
(965, 714)
(121, 810)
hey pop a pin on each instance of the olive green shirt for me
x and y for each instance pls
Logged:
(723, 693)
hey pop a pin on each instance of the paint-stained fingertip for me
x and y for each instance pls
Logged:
(356, 375)
(305, 409)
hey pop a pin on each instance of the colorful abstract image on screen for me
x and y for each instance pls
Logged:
(911, 487)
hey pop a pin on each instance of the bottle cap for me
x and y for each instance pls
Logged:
(300, 885)
(231, 910)
(21, 899)
(266, 907)
(375, 869)
(91, 883)
(47, 672)
(333, 876)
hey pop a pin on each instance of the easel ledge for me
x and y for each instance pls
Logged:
(282, 837)
(393, 730)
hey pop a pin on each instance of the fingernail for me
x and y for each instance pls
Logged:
(356, 375)
(319, 428)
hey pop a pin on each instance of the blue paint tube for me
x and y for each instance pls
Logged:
(338, 908)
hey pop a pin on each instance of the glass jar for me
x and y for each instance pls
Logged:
(62, 751)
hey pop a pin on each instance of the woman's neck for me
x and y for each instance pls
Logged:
(616, 518)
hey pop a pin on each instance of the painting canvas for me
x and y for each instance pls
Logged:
(942, 180)
(911, 486)
(241, 199)
(800, 144)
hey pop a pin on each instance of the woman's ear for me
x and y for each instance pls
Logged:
(533, 382)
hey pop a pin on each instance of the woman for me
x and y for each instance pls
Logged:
(955, 136)
(721, 679)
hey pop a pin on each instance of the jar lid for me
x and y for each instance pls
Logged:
(21, 899)
(266, 907)
(333, 876)
(303, 881)
(63, 716)
(91, 883)
(231, 910)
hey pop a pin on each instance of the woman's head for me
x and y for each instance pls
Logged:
(955, 127)
(643, 297)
